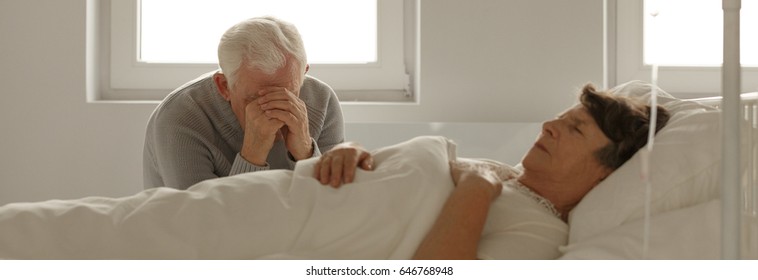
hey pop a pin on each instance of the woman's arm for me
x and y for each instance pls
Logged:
(456, 233)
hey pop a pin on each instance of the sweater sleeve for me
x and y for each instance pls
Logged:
(241, 165)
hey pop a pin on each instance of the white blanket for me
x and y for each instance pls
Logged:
(281, 214)
(384, 214)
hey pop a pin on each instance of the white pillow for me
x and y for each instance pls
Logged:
(684, 169)
(696, 233)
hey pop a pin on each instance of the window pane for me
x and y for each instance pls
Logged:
(690, 33)
(188, 31)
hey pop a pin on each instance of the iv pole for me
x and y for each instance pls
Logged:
(730, 146)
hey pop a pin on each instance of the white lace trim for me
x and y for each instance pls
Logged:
(536, 197)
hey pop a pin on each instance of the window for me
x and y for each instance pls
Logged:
(156, 47)
(168, 36)
(685, 40)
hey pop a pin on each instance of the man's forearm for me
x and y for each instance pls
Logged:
(255, 149)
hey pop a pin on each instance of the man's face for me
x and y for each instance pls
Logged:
(565, 151)
(251, 81)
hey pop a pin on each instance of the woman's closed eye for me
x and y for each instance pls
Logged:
(575, 128)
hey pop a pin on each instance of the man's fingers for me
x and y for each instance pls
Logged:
(367, 161)
(324, 169)
(339, 165)
(280, 104)
(317, 170)
(267, 95)
(283, 116)
(336, 174)
(350, 164)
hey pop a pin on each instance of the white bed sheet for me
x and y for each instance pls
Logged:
(264, 215)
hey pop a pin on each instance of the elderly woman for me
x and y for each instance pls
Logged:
(572, 154)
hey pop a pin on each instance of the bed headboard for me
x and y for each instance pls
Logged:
(749, 150)
(750, 98)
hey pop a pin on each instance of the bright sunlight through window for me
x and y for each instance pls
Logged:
(689, 33)
(188, 31)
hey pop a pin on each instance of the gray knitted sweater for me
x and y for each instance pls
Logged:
(193, 135)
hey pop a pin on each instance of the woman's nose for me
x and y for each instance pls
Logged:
(549, 128)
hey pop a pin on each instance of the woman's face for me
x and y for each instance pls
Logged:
(564, 153)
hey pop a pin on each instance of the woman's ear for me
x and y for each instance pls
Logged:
(223, 85)
(307, 67)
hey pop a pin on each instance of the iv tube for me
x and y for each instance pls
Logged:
(645, 168)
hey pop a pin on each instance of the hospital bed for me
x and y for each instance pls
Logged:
(283, 214)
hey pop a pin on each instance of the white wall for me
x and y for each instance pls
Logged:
(482, 61)
(504, 142)
(501, 60)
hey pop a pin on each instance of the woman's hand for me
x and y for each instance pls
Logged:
(338, 165)
(470, 173)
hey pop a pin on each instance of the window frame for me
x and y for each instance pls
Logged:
(127, 78)
(681, 81)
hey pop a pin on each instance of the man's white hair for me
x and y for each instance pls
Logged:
(264, 43)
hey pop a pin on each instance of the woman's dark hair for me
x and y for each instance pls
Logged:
(623, 120)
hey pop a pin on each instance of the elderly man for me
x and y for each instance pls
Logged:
(259, 112)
